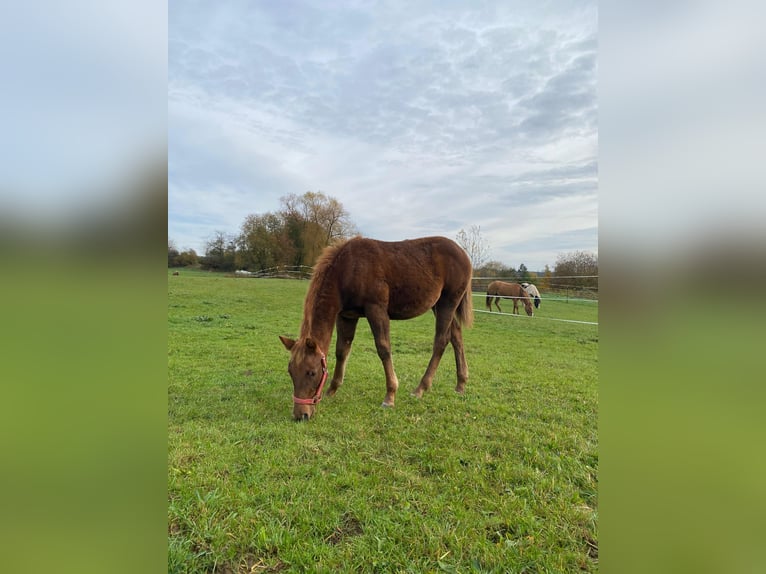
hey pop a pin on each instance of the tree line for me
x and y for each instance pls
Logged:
(574, 270)
(294, 235)
(305, 224)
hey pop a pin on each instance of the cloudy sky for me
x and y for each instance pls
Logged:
(422, 118)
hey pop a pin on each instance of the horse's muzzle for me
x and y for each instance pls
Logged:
(303, 412)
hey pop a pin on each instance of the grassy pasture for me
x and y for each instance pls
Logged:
(501, 479)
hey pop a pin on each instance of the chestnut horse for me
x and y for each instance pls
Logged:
(501, 289)
(381, 281)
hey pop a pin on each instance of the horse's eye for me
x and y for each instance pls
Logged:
(311, 373)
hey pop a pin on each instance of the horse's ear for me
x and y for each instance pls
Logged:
(310, 344)
(288, 343)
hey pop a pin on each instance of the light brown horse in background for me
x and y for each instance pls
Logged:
(381, 281)
(502, 290)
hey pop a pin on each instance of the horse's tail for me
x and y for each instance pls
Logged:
(464, 312)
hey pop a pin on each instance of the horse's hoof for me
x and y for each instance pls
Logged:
(387, 405)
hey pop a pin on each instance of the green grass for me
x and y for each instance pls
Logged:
(501, 479)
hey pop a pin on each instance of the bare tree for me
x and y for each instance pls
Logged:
(172, 253)
(474, 244)
(578, 268)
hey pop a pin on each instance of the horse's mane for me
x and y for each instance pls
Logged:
(315, 292)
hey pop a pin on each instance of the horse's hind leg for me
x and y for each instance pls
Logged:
(497, 304)
(461, 367)
(345, 328)
(441, 338)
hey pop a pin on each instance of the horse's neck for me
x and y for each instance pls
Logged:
(319, 315)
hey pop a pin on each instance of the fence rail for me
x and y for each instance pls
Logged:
(278, 272)
(550, 287)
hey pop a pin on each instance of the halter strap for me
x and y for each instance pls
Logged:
(318, 395)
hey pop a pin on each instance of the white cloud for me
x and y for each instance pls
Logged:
(421, 120)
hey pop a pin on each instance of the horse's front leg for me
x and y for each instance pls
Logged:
(345, 330)
(377, 317)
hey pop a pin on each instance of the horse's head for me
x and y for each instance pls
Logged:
(308, 370)
(528, 306)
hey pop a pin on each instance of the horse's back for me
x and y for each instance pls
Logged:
(502, 288)
(494, 287)
(411, 275)
(410, 259)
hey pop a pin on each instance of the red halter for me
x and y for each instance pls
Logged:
(318, 395)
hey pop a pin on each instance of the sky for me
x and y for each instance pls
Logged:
(421, 118)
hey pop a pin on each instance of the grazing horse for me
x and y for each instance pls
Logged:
(501, 289)
(533, 292)
(381, 281)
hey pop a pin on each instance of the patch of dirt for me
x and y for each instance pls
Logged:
(188, 459)
(174, 528)
(592, 547)
(498, 532)
(349, 526)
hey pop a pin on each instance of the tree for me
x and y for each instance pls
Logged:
(545, 281)
(263, 243)
(313, 221)
(523, 274)
(474, 244)
(172, 254)
(578, 269)
(489, 271)
(494, 269)
(295, 235)
(220, 251)
(186, 258)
